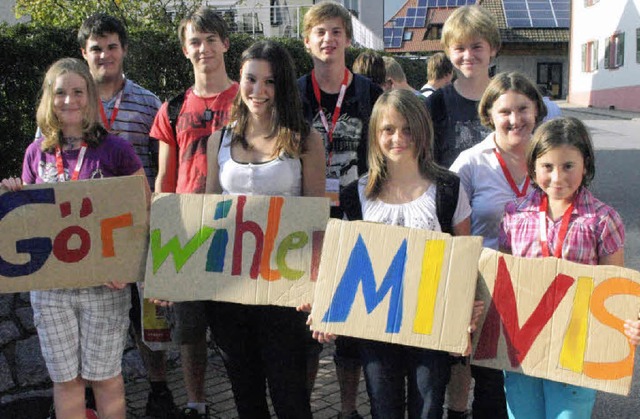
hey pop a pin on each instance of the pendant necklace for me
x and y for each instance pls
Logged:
(207, 116)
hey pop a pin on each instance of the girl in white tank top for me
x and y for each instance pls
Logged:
(268, 149)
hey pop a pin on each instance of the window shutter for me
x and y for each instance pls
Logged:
(607, 49)
(620, 51)
(584, 58)
(594, 57)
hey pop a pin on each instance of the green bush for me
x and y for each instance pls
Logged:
(154, 60)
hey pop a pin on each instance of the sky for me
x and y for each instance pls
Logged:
(391, 7)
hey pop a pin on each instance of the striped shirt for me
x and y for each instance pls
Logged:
(595, 229)
(137, 110)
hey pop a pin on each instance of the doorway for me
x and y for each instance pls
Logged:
(550, 77)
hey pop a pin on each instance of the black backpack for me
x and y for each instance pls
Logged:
(447, 190)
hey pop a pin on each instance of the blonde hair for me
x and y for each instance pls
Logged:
(501, 84)
(45, 116)
(325, 11)
(470, 22)
(394, 70)
(408, 105)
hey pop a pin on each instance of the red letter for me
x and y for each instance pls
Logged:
(273, 224)
(241, 228)
(61, 244)
(503, 310)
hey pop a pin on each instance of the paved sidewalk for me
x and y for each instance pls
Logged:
(325, 399)
(599, 112)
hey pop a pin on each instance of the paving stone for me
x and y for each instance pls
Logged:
(6, 381)
(30, 366)
(25, 316)
(8, 332)
(6, 305)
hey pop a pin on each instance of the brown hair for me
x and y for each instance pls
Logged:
(408, 105)
(288, 125)
(501, 84)
(439, 66)
(371, 65)
(206, 20)
(556, 133)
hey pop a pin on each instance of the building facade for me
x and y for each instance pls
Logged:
(605, 54)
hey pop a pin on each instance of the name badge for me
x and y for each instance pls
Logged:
(332, 191)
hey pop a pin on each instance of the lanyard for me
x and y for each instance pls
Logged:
(505, 170)
(562, 234)
(60, 164)
(336, 111)
(114, 113)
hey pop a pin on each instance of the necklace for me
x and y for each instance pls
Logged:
(207, 116)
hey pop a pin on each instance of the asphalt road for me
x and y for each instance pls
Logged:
(617, 183)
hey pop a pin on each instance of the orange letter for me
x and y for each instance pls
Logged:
(273, 224)
(106, 232)
(608, 288)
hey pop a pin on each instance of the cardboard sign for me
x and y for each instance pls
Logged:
(395, 284)
(244, 249)
(556, 319)
(73, 234)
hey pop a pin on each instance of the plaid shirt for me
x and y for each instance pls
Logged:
(595, 229)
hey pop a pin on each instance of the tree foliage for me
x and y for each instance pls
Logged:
(148, 14)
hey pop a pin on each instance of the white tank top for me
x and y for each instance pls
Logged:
(281, 176)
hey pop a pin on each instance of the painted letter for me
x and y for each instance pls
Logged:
(241, 228)
(273, 224)
(106, 232)
(575, 338)
(296, 240)
(181, 255)
(61, 244)
(359, 269)
(503, 311)
(428, 288)
(608, 288)
(218, 248)
(38, 248)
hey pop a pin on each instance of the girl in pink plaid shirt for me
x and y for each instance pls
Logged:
(576, 227)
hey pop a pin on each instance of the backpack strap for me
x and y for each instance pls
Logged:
(173, 111)
(427, 89)
(447, 191)
(350, 201)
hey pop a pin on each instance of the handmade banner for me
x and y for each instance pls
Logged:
(556, 319)
(244, 249)
(73, 234)
(395, 284)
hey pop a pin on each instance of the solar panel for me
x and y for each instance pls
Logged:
(422, 3)
(399, 22)
(536, 13)
(392, 37)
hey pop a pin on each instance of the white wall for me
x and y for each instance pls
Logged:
(528, 65)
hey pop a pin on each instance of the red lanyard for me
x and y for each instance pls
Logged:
(336, 111)
(519, 193)
(114, 113)
(60, 164)
(562, 234)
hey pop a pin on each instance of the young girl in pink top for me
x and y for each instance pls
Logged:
(576, 227)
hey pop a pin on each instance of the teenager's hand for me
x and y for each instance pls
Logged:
(161, 303)
(478, 308)
(632, 330)
(116, 285)
(306, 307)
(322, 337)
(12, 183)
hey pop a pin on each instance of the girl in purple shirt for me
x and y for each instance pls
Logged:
(82, 331)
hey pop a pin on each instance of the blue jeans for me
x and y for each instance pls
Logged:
(537, 398)
(262, 344)
(385, 368)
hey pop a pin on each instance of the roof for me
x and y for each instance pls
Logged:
(438, 15)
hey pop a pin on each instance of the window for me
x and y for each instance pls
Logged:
(638, 45)
(434, 32)
(590, 57)
(407, 35)
(614, 51)
(276, 13)
(588, 3)
(352, 6)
